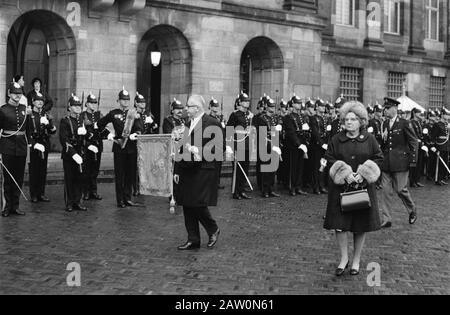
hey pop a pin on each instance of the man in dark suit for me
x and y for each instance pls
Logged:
(399, 148)
(196, 174)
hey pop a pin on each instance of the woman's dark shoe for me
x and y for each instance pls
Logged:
(354, 272)
(340, 271)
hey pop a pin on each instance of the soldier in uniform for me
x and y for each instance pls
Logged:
(216, 113)
(40, 127)
(73, 136)
(146, 119)
(37, 88)
(336, 124)
(261, 110)
(90, 118)
(319, 145)
(399, 148)
(242, 121)
(267, 126)
(440, 136)
(432, 154)
(282, 173)
(175, 120)
(124, 148)
(298, 136)
(415, 173)
(13, 148)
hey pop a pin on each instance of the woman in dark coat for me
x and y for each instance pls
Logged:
(354, 156)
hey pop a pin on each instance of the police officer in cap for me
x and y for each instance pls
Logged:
(399, 148)
(40, 127)
(126, 128)
(415, 173)
(175, 120)
(13, 148)
(440, 136)
(242, 121)
(319, 145)
(94, 151)
(73, 137)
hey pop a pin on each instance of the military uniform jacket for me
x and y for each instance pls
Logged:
(117, 117)
(148, 128)
(295, 135)
(336, 127)
(266, 136)
(40, 133)
(243, 122)
(95, 135)
(426, 132)
(399, 147)
(440, 136)
(13, 119)
(170, 123)
(375, 125)
(71, 142)
(319, 135)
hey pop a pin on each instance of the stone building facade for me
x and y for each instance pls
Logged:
(219, 47)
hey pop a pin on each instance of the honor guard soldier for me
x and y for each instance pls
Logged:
(399, 148)
(126, 127)
(298, 136)
(73, 136)
(415, 173)
(94, 151)
(40, 127)
(175, 120)
(336, 124)
(38, 88)
(13, 148)
(242, 121)
(216, 113)
(319, 145)
(268, 126)
(147, 120)
(261, 110)
(440, 136)
(282, 174)
(432, 118)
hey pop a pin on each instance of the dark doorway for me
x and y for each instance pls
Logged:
(172, 78)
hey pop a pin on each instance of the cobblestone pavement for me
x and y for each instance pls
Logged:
(266, 247)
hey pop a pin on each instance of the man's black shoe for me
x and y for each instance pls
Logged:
(44, 199)
(292, 193)
(69, 209)
(386, 225)
(5, 213)
(17, 212)
(245, 196)
(444, 183)
(121, 205)
(301, 192)
(324, 191)
(413, 185)
(86, 197)
(213, 239)
(189, 246)
(316, 192)
(275, 195)
(266, 195)
(412, 218)
(237, 197)
(79, 207)
(420, 185)
(247, 190)
(95, 196)
(34, 200)
(129, 203)
(221, 187)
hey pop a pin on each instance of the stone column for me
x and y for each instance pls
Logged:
(417, 28)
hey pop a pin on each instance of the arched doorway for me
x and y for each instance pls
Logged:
(41, 44)
(262, 67)
(172, 77)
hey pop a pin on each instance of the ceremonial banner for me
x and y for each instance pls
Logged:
(2, 197)
(155, 165)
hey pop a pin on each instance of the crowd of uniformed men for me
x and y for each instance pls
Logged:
(304, 126)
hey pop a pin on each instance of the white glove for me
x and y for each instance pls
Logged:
(93, 148)
(323, 162)
(133, 137)
(350, 179)
(82, 131)
(149, 120)
(304, 148)
(425, 148)
(95, 126)
(223, 125)
(277, 150)
(370, 129)
(39, 147)
(325, 147)
(250, 115)
(305, 127)
(229, 150)
(44, 121)
(176, 179)
(359, 179)
(111, 137)
(329, 128)
(279, 128)
(193, 149)
(425, 131)
(433, 149)
(78, 159)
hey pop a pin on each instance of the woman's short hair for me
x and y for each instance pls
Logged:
(358, 109)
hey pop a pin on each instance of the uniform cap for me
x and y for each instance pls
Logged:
(390, 102)
(15, 88)
(91, 99)
(176, 104)
(243, 97)
(213, 103)
(74, 101)
(124, 95)
(139, 98)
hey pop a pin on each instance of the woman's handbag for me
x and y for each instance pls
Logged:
(355, 200)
